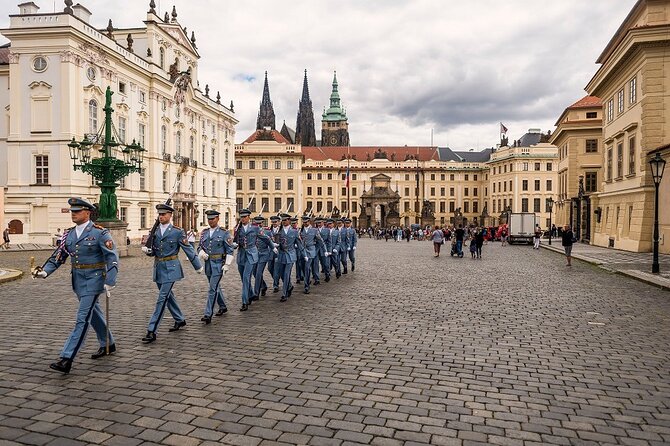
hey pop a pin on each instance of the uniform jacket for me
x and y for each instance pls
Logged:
(246, 241)
(335, 240)
(218, 245)
(95, 249)
(353, 236)
(325, 236)
(265, 246)
(167, 245)
(288, 242)
(311, 241)
(345, 239)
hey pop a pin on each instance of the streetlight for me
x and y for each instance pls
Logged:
(657, 166)
(550, 204)
(106, 168)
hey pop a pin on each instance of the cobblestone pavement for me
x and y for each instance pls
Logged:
(512, 349)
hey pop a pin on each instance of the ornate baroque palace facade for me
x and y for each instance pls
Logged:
(53, 75)
(387, 185)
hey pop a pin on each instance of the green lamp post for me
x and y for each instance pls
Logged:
(105, 166)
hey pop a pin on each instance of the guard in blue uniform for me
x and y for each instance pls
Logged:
(288, 241)
(167, 269)
(94, 268)
(245, 237)
(265, 253)
(334, 247)
(353, 241)
(272, 263)
(311, 243)
(344, 244)
(300, 261)
(324, 250)
(216, 252)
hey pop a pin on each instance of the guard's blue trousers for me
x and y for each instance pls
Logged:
(246, 270)
(259, 281)
(167, 299)
(89, 312)
(215, 294)
(284, 270)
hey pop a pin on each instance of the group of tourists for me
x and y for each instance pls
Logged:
(319, 246)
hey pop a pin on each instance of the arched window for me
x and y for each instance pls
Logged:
(162, 57)
(92, 116)
(226, 159)
(164, 139)
(192, 146)
(178, 143)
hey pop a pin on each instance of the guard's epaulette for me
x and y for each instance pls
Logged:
(70, 229)
(176, 227)
(96, 226)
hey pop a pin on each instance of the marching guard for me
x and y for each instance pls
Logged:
(272, 263)
(311, 242)
(216, 252)
(95, 262)
(265, 253)
(167, 269)
(247, 255)
(287, 239)
(353, 241)
(344, 244)
(324, 250)
(335, 248)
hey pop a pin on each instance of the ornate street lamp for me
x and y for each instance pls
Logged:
(657, 166)
(550, 204)
(105, 167)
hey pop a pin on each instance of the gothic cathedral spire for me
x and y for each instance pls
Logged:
(304, 127)
(266, 114)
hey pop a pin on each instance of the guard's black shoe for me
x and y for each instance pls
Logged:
(353, 267)
(305, 292)
(298, 281)
(62, 365)
(290, 291)
(275, 289)
(283, 299)
(327, 279)
(149, 337)
(221, 311)
(177, 326)
(263, 291)
(103, 352)
(316, 283)
(344, 272)
(254, 298)
(338, 275)
(206, 319)
(244, 307)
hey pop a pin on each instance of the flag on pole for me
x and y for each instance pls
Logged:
(346, 178)
(503, 129)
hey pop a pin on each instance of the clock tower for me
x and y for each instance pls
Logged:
(334, 125)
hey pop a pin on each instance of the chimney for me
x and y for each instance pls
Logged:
(81, 12)
(28, 8)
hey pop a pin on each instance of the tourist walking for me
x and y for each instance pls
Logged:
(479, 241)
(460, 236)
(536, 237)
(438, 240)
(568, 238)
(5, 237)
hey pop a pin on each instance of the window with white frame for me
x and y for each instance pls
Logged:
(632, 91)
(214, 188)
(143, 184)
(610, 110)
(177, 143)
(163, 139)
(213, 156)
(191, 147)
(619, 100)
(92, 116)
(631, 155)
(141, 134)
(165, 181)
(122, 129)
(204, 155)
(225, 158)
(42, 169)
(143, 218)
(277, 164)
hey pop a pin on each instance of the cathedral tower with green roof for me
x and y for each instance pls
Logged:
(334, 125)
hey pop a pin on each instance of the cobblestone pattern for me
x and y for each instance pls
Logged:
(514, 349)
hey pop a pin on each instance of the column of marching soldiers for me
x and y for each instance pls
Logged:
(321, 245)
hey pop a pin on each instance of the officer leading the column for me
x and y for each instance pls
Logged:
(95, 262)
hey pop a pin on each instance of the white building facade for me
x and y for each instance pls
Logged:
(52, 88)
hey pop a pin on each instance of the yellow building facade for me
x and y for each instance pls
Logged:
(633, 82)
(578, 136)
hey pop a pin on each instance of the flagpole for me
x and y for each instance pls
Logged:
(348, 180)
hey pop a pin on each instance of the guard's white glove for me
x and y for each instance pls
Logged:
(327, 254)
(199, 271)
(109, 287)
(276, 251)
(306, 259)
(276, 245)
(203, 256)
(40, 275)
(334, 251)
(348, 249)
(354, 248)
(234, 245)
(225, 268)
(146, 250)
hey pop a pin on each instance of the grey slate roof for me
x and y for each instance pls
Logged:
(446, 154)
(530, 139)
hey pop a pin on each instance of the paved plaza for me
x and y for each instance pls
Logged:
(515, 348)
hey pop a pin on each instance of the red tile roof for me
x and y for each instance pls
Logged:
(587, 102)
(366, 153)
(267, 135)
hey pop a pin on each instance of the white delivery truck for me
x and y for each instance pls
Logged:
(521, 227)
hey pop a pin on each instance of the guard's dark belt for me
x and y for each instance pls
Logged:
(216, 256)
(89, 265)
(165, 259)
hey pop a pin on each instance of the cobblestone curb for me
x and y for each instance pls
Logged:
(7, 275)
(641, 276)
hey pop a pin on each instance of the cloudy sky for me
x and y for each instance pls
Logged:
(404, 66)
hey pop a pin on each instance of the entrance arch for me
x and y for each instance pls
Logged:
(16, 227)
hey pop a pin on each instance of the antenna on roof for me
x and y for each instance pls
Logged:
(431, 137)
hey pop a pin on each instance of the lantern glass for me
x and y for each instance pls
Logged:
(657, 167)
(73, 147)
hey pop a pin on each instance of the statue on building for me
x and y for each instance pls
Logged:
(174, 71)
(181, 85)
